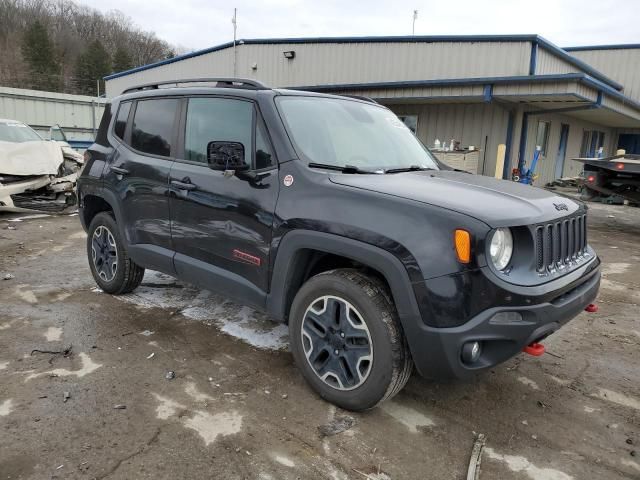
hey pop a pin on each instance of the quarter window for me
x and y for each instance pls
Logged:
(264, 154)
(121, 119)
(153, 126)
(217, 119)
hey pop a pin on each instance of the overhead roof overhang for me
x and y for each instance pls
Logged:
(574, 94)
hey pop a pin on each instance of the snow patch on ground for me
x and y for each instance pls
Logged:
(210, 427)
(410, 418)
(520, 464)
(28, 217)
(88, 366)
(529, 383)
(192, 390)
(163, 291)
(4, 365)
(53, 334)
(618, 398)
(26, 294)
(282, 460)
(167, 407)
(5, 407)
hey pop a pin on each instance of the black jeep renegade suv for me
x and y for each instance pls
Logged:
(327, 213)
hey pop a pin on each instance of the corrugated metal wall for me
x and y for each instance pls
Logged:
(335, 63)
(622, 65)
(471, 124)
(78, 115)
(547, 165)
(548, 63)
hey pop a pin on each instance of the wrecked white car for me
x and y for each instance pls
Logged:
(36, 174)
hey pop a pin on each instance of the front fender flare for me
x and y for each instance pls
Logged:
(386, 263)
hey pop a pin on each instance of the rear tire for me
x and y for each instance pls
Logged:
(111, 267)
(347, 340)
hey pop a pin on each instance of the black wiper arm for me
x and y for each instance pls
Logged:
(412, 168)
(339, 168)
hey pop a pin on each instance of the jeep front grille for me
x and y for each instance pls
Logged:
(561, 243)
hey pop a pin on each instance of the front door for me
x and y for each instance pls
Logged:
(220, 223)
(562, 150)
(139, 174)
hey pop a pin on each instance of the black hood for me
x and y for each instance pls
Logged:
(498, 203)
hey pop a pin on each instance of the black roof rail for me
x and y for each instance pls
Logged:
(220, 82)
(361, 97)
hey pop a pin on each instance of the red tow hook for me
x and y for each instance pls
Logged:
(536, 349)
(591, 308)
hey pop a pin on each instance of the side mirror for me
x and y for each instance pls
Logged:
(226, 156)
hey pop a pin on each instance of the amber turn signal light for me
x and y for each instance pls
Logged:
(462, 240)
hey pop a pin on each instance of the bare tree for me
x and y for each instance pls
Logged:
(71, 28)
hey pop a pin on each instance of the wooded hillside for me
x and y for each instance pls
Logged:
(61, 46)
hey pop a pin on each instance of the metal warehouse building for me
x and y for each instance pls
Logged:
(483, 91)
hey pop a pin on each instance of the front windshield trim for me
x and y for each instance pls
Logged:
(370, 138)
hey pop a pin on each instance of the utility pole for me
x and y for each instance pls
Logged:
(235, 54)
(415, 17)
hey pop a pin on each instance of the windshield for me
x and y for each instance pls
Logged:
(345, 132)
(17, 133)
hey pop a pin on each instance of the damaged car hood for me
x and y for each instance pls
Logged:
(30, 158)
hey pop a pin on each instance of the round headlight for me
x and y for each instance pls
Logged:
(501, 248)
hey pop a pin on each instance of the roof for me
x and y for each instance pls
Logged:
(619, 46)
(534, 39)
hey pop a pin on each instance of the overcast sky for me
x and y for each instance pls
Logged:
(196, 24)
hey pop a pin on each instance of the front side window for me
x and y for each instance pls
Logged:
(121, 119)
(342, 133)
(152, 130)
(217, 119)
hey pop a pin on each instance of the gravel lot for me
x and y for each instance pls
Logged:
(238, 408)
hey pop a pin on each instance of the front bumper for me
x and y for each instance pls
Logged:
(437, 351)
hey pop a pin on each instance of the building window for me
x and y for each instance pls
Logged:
(542, 137)
(411, 121)
(592, 141)
(153, 126)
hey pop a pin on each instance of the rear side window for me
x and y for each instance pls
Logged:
(217, 119)
(121, 119)
(152, 130)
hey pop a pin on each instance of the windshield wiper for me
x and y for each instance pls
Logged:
(412, 168)
(343, 169)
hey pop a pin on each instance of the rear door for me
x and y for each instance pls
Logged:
(139, 174)
(221, 225)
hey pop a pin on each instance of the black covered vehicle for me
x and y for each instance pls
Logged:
(327, 213)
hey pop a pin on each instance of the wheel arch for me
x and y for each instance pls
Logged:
(95, 202)
(296, 259)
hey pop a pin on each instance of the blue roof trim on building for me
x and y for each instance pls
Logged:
(562, 77)
(534, 39)
(588, 69)
(619, 46)
(446, 82)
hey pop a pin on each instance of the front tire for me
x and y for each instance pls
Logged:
(111, 267)
(347, 340)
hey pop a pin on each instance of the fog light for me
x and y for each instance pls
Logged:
(471, 352)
